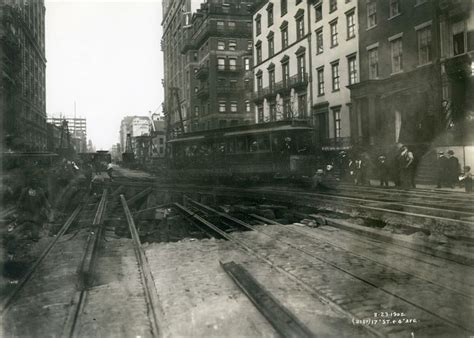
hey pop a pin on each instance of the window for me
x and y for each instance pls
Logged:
(284, 37)
(320, 81)
(332, 5)
(271, 46)
(222, 123)
(233, 107)
(371, 14)
(301, 67)
(302, 107)
(247, 64)
(284, 7)
(220, 24)
(420, 2)
(318, 12)
(397, 55)
(337, 122)
(319, 41)
(424, 45)
(394, 8)
(271, 78)
(231, 24)
(233, 84)
(232, 64)
(247, 106)
(258, 25)
(270, 15)
(221, 64)
(196, 90)
(286, 72)
(258, 49)
(335, 76)
(273, 111)
(333, 26)
(352, 67)
(300, 27)
(249, 45)
(220, 45)
(459, 41)
(222, 107)
(350, 18)
(196, 111)
(232, 45)
(373, 55)
(259, 83)
(260, 114)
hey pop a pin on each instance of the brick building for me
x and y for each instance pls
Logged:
(219, 54)
(22, 77)
(398, 97)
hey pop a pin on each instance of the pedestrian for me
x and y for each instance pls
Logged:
(88, 170)
(467, 179)
(441, 168)
(452, 169)
(360, 171)
(109, 170)
(383, 171)
(351, 169)
(407, 168)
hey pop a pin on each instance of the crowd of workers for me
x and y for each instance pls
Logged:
(39, 190)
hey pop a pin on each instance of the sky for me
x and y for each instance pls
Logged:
(105, 56)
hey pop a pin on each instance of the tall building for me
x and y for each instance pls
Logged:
(138, 128)
(22, 80)
(398, 97)
(334, 51)
(176, 16)
(282, 60)
(219, 54)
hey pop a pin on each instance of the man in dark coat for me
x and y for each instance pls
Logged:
(383, 171)
(441, 167)
(452, 169)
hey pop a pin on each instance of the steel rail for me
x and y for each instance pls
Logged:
(7, 301)
(315, 239)
(362, 279)
(85, 269)
(287, 273)
(282, 320)
(145, 272)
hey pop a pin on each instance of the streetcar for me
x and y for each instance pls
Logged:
(280, 149)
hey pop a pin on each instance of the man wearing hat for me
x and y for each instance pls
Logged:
(383, 170)
(441, 168)
(452, 171)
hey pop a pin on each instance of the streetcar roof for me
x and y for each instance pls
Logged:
(267, 130)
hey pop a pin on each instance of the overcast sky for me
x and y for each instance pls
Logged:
(105, 55)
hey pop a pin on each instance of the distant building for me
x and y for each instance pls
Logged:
(77, 130)
(22, 78)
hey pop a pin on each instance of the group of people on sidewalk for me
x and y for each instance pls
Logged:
(400, 167)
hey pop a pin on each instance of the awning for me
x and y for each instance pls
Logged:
(266, 130)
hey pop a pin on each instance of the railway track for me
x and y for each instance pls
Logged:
(77, 287)
(377, 281)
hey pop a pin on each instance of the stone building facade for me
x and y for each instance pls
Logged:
(282, 60)
(23, 74)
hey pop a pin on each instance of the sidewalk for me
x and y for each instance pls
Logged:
(376, 183)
